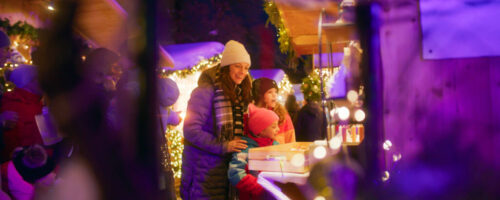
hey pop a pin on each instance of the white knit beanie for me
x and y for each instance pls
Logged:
(234, 52)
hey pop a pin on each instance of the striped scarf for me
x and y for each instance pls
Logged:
(229, 118)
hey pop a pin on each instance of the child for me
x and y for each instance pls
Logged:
(262, 128)
(265, 94)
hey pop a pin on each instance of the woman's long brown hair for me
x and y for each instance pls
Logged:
(280, 110)
(228, 86)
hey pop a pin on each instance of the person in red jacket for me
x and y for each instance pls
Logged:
(262, 129)
(25, 101)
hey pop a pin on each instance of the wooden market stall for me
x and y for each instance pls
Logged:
(321, 30)
(302, 27)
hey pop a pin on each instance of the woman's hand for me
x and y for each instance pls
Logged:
(236, 145)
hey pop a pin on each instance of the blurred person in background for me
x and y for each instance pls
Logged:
(168, 93)
(26, 101)
(103, 68)
(8, 119)
(311, 120)
(292, 106)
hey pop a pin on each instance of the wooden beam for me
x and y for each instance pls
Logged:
(308, 44)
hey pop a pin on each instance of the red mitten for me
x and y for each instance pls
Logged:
(249, 185)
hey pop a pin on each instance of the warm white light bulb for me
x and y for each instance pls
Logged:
(50, 7)
(298, 160)
(359, 115)
(319, 152)
(396, 157)
(352, 96)
(387, 145)
(320, 198)
(386, 176)
(343, 113)
(335, 143)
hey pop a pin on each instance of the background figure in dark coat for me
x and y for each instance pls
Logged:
(292, 106)
(311, 122)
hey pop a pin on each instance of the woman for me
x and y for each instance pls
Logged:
(265, 93)
(213, 123)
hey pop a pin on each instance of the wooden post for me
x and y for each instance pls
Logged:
(368, 26)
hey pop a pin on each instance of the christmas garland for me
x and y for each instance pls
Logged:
(274, 17)
(203, 64)
(21, 29)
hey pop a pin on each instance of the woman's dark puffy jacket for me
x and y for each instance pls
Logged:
(205, 160)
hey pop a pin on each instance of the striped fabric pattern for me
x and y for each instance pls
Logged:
(223, 115)
(238, 114)
(229, 118)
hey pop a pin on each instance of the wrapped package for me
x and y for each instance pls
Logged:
(290, 157)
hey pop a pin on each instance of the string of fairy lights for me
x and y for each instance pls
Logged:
(202, 65)
(175, 148)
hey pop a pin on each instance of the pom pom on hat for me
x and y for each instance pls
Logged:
(32, 162)
(260, 118)
(234, 52)
(4, 40)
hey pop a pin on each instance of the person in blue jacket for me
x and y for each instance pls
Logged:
(262, 129)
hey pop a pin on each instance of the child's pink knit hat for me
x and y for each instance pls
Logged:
(260, 118)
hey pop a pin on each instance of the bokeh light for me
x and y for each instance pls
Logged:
(319, 152)
(352, 96)
(298, 160)
(386, 176)
(359, 115)
(320, 198)
(335, 142)
(387, 145)
(396, 157)
(343, 113)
